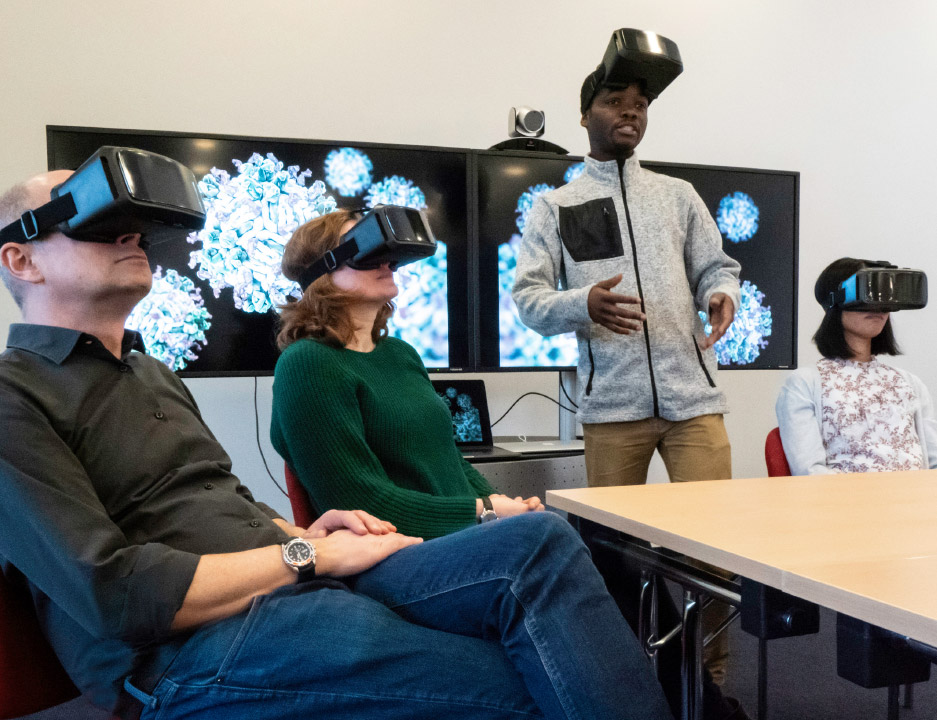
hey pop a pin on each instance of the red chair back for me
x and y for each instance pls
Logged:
(304, 514)
(31, 677)
(774, 455)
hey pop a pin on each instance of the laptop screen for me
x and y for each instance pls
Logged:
(466, 400)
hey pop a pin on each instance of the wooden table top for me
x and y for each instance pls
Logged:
(862, 544)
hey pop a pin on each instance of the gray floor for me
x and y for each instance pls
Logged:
(802, 680)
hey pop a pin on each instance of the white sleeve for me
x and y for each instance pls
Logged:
(928, 425)
(799, 421)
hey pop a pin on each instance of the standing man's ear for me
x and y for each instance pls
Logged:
(584, 120)
(18, 260)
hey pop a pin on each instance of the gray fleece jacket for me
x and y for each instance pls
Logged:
(578, 235)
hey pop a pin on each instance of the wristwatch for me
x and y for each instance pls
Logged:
(300, 557)
(488, 512)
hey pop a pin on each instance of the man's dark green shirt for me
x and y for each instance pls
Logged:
(112, 487)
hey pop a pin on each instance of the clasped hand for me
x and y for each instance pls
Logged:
(351, 541)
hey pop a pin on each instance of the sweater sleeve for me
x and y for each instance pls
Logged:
(541, 306)
(709, 269)
(798, 420)
(928, 424)
(318, 427)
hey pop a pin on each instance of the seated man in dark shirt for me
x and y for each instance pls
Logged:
(165, 589)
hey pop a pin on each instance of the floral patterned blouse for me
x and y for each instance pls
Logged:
(868, 417)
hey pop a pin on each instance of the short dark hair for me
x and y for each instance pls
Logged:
(594, 82)
(830, 337)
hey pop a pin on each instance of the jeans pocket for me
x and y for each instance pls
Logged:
(591, 231)
(240, 639)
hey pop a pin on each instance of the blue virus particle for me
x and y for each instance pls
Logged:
(519, 346)
(574, 171)
(172, 319)
(396, 190)
(250, 217)
(745, 338)
(466, 421)
(737, 217)
(422, 315)
(348, 171)
(526, 201)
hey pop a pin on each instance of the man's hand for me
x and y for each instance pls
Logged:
(358, 521)
(605, 308)
(721, 315)
(344, 552)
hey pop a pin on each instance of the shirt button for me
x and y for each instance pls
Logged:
(255, 523)
(209, 486)
(124, 368)
(159, 415)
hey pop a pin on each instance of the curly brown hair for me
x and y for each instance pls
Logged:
(322, 310)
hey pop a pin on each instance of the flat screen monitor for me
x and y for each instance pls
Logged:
(756, 212)
(213, 308)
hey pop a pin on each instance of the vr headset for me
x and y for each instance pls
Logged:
(881, 287)
(388, 234)
(115, 192)
(636, 56)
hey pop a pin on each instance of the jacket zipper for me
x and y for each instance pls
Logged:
(699, 356)
(637, 275)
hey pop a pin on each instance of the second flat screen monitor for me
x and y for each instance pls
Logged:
(755, 211)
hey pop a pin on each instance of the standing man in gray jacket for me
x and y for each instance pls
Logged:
(626, 258)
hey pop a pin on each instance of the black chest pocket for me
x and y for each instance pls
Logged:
(590, 231)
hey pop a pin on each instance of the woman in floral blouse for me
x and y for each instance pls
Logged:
(851, 412)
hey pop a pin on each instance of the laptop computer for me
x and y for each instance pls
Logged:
(471, 425)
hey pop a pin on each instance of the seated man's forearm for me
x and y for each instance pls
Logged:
(224, 585)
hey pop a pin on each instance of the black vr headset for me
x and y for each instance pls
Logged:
(115, 192)
(880, 287)
(634, 56)
(388, 234)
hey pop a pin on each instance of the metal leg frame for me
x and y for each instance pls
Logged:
(698, 586)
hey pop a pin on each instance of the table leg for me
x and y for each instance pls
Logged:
(762, 678)
(691, 669)
(647, 616)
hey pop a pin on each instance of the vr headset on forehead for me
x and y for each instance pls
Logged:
(388, 234)
(117, 191)
(635, 56)
(881, 287)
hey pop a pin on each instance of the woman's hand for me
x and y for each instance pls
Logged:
(506, 507)
(357, 521)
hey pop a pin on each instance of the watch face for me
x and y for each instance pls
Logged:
(299, 554)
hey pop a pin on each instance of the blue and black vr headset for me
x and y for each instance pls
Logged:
(880, 287)
(115, 192)
(388, 234)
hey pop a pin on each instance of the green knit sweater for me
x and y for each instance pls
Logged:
(367, 431)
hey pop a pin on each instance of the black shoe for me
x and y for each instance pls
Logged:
(733, 710)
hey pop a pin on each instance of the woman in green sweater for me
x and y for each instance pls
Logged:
(354, 412)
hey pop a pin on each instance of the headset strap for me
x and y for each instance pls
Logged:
(35, 222)
(328, 262)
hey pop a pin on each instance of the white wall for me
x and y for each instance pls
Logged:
(841, 91)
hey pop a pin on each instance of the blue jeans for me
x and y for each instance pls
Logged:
(509, 619)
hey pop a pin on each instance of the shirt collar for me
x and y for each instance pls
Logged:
(57, 343)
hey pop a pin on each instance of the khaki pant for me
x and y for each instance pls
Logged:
(619, 453)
